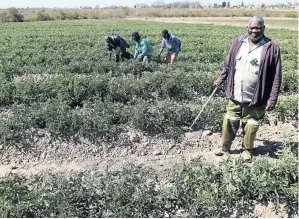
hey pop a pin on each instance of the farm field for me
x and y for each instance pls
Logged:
(68, 115)
(271, 22)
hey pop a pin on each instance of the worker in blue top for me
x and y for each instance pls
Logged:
(143, 49)
(173, 44)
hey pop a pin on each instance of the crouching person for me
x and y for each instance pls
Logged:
(117, 43)
(143, 49)
(173, 44)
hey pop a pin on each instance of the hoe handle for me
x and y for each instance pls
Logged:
(214, 91)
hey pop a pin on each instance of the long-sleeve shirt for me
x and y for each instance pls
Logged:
(117, 41)
(143, 48)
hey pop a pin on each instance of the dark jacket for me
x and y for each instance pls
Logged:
(117, 41)
(269, 76)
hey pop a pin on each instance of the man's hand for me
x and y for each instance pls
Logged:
(269, 107)
(216, 83)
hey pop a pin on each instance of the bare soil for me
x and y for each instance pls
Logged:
(44, 154)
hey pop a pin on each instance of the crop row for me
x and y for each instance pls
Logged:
(56, 76)
(74, 89)
(197, 190)
(77, 89)
(58, 48)
(104, 121)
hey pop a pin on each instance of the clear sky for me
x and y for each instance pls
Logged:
(104, 3)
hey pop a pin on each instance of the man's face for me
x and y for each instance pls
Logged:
(255, 31)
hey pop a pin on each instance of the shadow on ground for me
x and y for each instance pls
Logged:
(269, 148)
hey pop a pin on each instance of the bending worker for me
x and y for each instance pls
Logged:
(117, 43)
(143, 49)
(172, 43)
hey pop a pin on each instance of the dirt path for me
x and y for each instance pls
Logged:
(271, 22)
(45, 155)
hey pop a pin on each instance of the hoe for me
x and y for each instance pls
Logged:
(206, 103)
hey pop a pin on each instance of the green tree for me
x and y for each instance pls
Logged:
(126, 11)
(4, 17)
(223, 4)
(242, 4)
(14, 15)
(40, 16)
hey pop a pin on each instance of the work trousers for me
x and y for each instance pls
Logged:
(250, 118)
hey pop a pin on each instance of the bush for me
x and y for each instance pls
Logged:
(290, 82)
(61, 15)
(126, 11)
(287, 109)
(12, 15)
(4, 17)
(83, 15)
(72, 15)
(40, 16)
(247, 14)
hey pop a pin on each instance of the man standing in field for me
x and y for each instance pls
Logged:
(173, 44)
(117, 43)
(252, 72)
(143, 49)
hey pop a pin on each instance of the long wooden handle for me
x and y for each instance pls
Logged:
(214, 91)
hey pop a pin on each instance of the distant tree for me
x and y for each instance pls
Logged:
(126, 10)
(40, 16)
(4, 17)
(223, 4)
(263, 5)
(14, 15)
(242, 4)
(158, 4)
(215, 5)
(228, 4)
(184, 4)
(195, 5)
